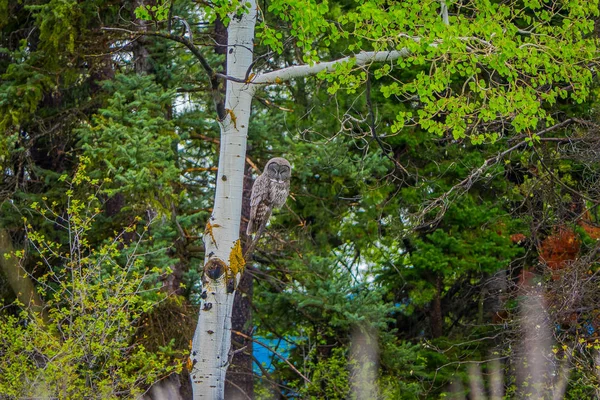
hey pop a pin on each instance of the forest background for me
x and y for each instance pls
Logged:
(440, 239)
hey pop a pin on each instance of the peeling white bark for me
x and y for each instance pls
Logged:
(212, 339)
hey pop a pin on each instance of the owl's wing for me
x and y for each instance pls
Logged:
(260, 193)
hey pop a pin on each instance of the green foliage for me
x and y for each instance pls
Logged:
(95, 296)
(469, 241)
(306, 20)
(57, 22)
(3, 12)
(347, 255)
(329, 378)
(132, 142)
(157, 12)
(492, 61)
(21, 91)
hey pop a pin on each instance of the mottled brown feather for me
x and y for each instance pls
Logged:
(270, 190)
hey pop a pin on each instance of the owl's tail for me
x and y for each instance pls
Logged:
(250, 228)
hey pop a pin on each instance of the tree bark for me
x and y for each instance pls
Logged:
(18, 279)
(224, 264)
(240, 378)
(436, 316)
(141, 55)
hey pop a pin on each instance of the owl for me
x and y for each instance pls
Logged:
(270, 191)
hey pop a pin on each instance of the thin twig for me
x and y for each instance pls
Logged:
(282, 358)
(269, 103)
(374, 131)
(468, 182)
(560, 182)
(214, 76)
(239, 389)
(180, 39)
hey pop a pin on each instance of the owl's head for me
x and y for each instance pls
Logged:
(278, 169)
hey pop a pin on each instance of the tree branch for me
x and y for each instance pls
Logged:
(180, 39)
(373, 130)
(444, 12)
(213, 76)
(239, 389)
(466, 183)
(296, 71)
(282, 358)
(560, 182)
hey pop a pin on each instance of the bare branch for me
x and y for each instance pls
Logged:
(180, 39)
(213, 76)
(465, 184)
(239, 389)
(560, 182)
(269, 103)
(282, 358)
(374, 131)
(468, 182)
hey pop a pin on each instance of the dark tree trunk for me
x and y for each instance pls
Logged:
(240, 379)
(141, 55)
(436, 317)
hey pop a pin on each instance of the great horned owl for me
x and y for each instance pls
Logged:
(270, 190)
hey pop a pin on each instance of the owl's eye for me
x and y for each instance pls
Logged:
(284, 168)
(272, 167)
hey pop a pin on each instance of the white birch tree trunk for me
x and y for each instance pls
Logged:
(224, 263)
